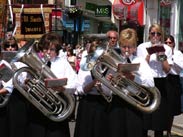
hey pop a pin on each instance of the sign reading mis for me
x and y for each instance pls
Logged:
(103, 11)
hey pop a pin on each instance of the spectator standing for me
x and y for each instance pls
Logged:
(71, 57)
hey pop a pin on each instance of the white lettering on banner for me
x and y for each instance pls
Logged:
(128, 2)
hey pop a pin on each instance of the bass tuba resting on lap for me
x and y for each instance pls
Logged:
(100, 61)
(56, 105)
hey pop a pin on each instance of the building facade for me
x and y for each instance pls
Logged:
(98, 16)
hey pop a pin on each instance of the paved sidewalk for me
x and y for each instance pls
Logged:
(178, 125)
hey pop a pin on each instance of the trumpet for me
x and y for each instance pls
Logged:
(142, 98)
(56, 105)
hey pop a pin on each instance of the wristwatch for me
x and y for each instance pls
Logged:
(162, 58)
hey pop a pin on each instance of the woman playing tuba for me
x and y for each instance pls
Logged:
(95, 114)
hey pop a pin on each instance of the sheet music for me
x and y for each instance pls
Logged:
(155, 49)
(128, 67)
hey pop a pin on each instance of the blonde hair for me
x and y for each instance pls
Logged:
(158, 28)
(128, 36)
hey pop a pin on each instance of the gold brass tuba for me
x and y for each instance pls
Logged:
(143, 98)
(55, 105)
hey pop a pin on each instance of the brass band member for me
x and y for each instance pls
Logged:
(97, 117)
(5, 88)
(17, 105)
(160, 64)
(40, 125)
(10, 44)
(176, 69)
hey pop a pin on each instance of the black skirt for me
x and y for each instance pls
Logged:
(174, 94)
(17, 115)
(42, 126)
(170, 104)
(97, 118)
(4, 122)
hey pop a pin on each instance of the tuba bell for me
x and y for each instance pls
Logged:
(101, 60)
(56, 105)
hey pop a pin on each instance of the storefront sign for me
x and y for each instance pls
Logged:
(90, 6)
(32, 21)
(103, 11)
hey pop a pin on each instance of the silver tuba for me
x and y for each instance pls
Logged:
(144, 99)
(56, 105)
(6, 74)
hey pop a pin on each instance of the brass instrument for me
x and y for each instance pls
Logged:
(3, 98)
(56, 105)
(143, 98)
(5, 75)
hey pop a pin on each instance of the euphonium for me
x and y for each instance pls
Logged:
(143, 98)
(56, 105)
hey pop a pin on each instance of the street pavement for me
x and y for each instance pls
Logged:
(177, 129)
(178, 125)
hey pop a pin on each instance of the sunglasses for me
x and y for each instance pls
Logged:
(168, 42)
(9, 45)
(155, 33)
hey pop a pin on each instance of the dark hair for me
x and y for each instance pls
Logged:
(49, 39)
(70, 50)
(170, 37)
(12, 41)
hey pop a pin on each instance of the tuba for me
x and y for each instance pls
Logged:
(142, 98)
(5, 75)
(56, 105)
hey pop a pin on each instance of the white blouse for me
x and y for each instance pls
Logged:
(155, 65)
(62, 69)
(143, 77)
(178, 62)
